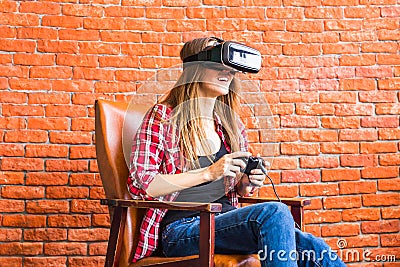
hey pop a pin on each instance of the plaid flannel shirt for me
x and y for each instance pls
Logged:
(153, 153)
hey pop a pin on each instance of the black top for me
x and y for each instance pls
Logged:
(206, 192)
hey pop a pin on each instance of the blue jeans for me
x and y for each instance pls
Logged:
(266, 229)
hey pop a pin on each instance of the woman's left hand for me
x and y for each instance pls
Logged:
(257, 177)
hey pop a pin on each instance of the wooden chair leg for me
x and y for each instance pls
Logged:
(116, 230)
(207, 237)
(297, 213)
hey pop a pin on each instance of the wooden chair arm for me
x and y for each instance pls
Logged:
(171, 205)
(293, 202)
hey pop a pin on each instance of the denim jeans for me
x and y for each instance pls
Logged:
(266, 229)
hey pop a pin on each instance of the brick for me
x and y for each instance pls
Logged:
(43, 261)
(47, 206)
(53, 178)
(19, 164)
(378, 97)
(280, 135)
(66, 248)
(98, 193)
(358, 160)
(129, 12)
(299, 149)
(310, 190)
(101, 220)
(300, 176)
(156, 25)
(358, 135)
(361, 60)
(114, 23)
(11, 178)
(284, 163)
(59, 165)
(388, 35)
(17, 248)
(16, 19)
(322, 37)
(339, 148)
(358, 84)
(374, 72)
(380, 172)
(8, 6)
(389, 109)
(323, 13)
(24, 221)
(340, 122)
(8, 235)
(389, 84)
(322, 216)
(88, 234)
(36, 33)
(82, 10)
(68, 221)
(99, 48)
(22, 192)
(329, 175)
(77, 60)
(384, 226)
(282, 191)
(302, 50)
(119, 61)
(204, 12)
(40, 8)
(281, 37)
(65, 111)
(343, 229)
(30, 84)
(390, 213)
(342, 202)
(87, 206)
(11, 150)
(389, 159)
(262, 25)
(354, 109)
(340, 49)
(51, 72)
(388, 134)
(11, 205)
(311, 162)
(293, 121)
(357, 187)
(86, 261)
(318, 135)
(378, 147)
(342, 25)
(379, 47)
(390, 11)
(380, 122)
(363, 214)
(98, 248)
(298, 97)
(319, 85)
(62, 21)
(48, 123)
(71, 137)
(56, 192)
(28, 136)
(78, 35)
(315, 109)
(387, 199)
(45, 234)
(338, 97)
(390, 240)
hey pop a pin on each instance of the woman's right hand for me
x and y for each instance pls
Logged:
(227, 166)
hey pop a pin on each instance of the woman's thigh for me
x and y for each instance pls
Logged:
(237, 231)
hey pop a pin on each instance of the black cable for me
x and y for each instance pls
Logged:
(273, 185)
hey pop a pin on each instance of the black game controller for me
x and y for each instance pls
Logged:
(252, 163)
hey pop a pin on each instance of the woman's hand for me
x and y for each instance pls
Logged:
(257, 177)
(227, 166)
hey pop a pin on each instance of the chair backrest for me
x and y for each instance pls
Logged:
(116, 125)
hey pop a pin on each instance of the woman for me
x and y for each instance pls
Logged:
(191, 147)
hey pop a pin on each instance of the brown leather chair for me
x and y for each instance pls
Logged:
(126, 214)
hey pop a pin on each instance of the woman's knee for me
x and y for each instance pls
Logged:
(279, 212)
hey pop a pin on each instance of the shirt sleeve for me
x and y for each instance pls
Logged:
(147, 151)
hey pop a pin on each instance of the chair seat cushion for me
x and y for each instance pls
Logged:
(220, 260)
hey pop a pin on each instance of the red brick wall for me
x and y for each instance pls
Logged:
(331, 76)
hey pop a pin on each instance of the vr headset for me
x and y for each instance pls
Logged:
(232, 54)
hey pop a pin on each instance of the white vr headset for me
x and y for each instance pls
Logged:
(232, 54)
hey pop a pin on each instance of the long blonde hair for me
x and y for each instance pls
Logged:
(186, 117)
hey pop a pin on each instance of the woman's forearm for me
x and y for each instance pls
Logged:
(164, 184)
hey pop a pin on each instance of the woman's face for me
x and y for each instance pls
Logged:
(216, 79)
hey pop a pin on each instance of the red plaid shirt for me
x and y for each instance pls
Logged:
(153, 152)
